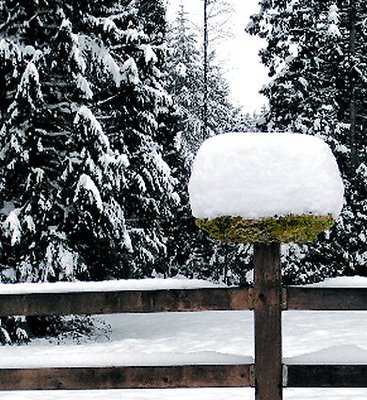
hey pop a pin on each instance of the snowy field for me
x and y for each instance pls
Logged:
(202, 337)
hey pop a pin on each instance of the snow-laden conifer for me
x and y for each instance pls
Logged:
(314, 52)
(85, 140)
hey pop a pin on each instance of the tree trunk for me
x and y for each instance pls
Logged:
(206, 68)
(353, 104)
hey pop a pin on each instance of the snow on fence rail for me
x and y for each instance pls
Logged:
(167, 300)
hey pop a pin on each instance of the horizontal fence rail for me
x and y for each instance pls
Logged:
(328, 299)
(166, 377)
(177, 300)
(179, 376)
(349, 376)
(182, 376)
(123, 301)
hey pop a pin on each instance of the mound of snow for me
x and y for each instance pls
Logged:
(345, 354)
(342, 282)
(259, 175)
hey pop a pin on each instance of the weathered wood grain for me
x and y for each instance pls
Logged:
(124, 301)
(126, 377)
(303, 298)
(268, 332)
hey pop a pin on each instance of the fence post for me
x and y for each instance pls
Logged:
(268, 332)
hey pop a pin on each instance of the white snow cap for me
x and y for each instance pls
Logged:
(258, 175)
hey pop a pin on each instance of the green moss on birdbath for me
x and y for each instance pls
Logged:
(285, 229)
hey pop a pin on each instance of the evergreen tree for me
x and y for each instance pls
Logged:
(315, 55)
(187, 84)
(215, 16)
(185, 78)
(54, 153)
(222, 113)
(191, 252)
(85, 189)
(138, 127)
(93, 95)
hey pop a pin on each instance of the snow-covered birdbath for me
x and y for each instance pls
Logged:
(266, 189)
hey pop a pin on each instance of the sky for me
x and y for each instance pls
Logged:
(238, 54)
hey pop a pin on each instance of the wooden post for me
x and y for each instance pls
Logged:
(268, 332)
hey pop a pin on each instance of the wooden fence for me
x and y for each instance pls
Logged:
(268, 375)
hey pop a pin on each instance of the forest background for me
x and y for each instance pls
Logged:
(103, 106)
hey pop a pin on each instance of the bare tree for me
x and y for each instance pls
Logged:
(216, 16)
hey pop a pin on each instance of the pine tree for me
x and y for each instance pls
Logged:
(185, 78)
(138, 127)
(44, 159)
(85, 188)
(191, 252)
(222, 113)
(215, 16)
(103, 117)
(191, 89)
(315, 54)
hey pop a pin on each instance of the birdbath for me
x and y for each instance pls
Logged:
(266, 189)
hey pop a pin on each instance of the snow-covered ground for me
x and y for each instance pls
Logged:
(202, 337)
